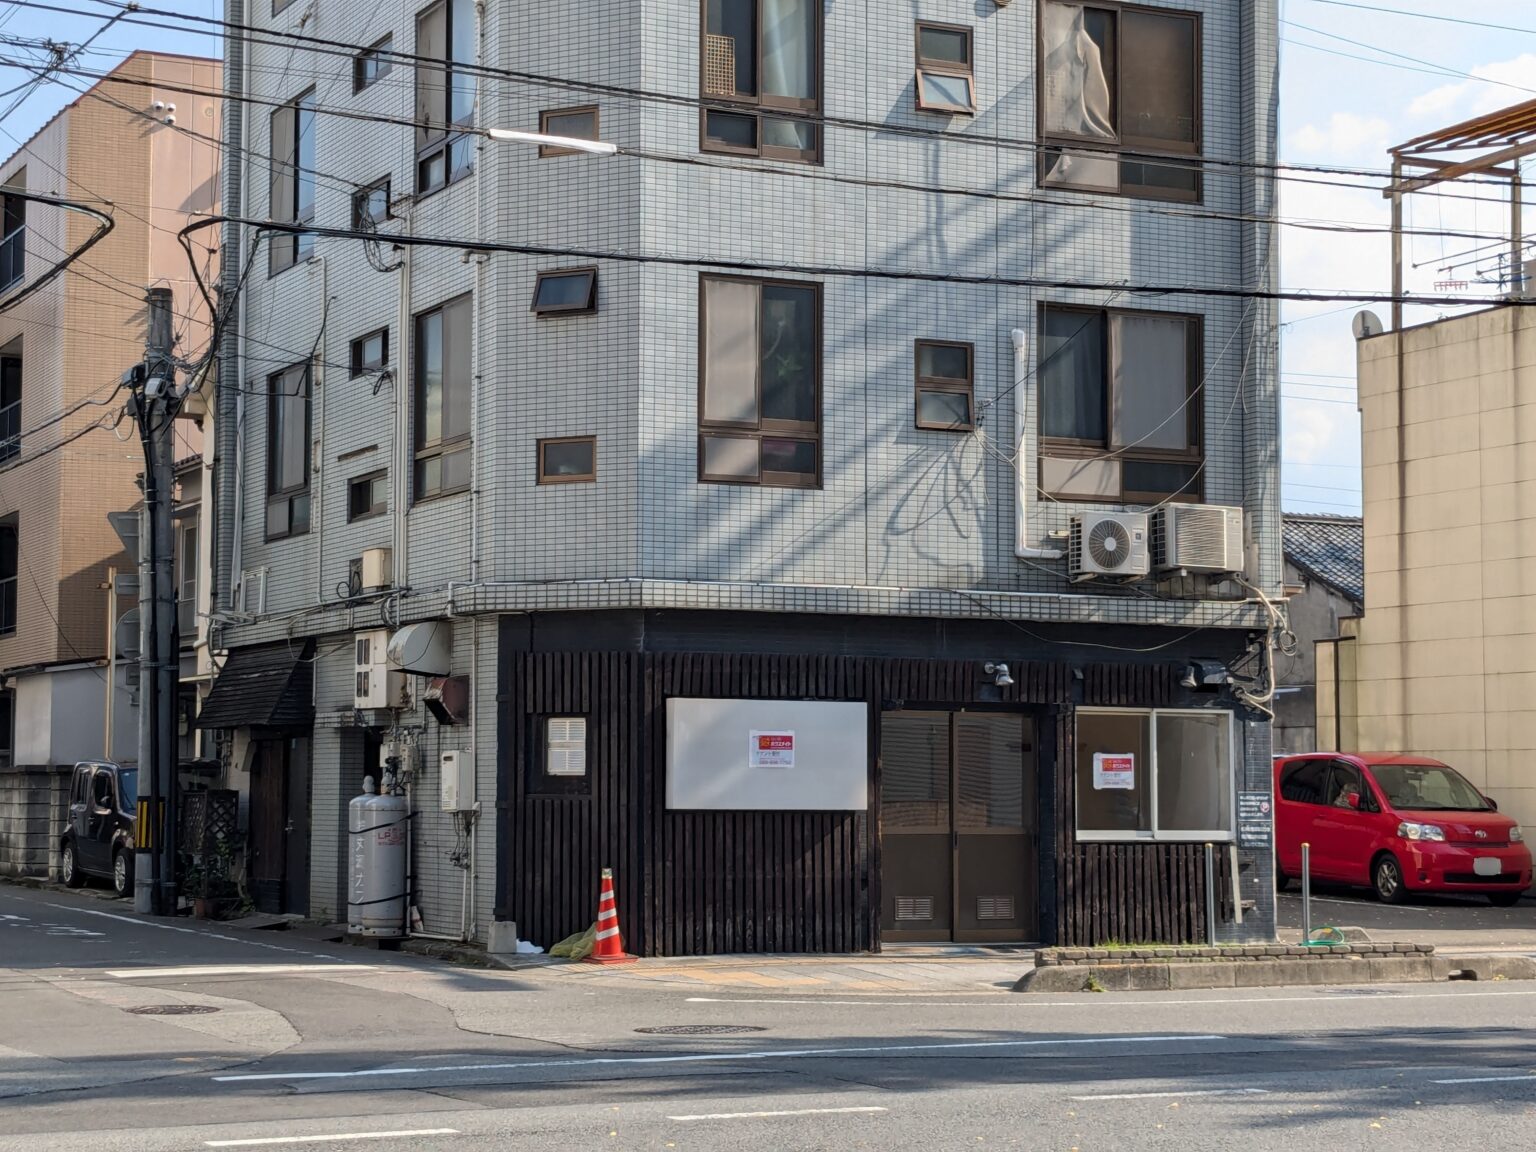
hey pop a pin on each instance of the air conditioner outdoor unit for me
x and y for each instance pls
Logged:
(377, 685)
(1108, 544)
(377, 569)
(1197, 538)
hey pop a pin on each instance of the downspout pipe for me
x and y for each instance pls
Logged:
(1024, 470)
(226, 423)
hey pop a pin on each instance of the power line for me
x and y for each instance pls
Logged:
(1428, 16)
(1444, 70)
(474, 244)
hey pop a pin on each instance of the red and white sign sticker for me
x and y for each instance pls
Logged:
(771, 750)
(1114, 770)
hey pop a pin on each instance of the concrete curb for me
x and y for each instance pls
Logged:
(1336, 971)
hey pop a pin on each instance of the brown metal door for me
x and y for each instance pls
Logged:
(917, 853)
(958, 826)
(995, 827)
(269, 816)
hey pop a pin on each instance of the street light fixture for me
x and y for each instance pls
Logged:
(574, 143)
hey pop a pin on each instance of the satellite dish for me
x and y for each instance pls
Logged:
(1367, 323)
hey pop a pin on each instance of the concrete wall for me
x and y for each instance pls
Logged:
(1445, 660)
(1316, 612)
(34, 805)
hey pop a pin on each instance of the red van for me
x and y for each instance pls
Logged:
(1397, 823)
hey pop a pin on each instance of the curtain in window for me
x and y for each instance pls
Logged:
(1150, 370)
(290, 412)
(1072, 376)
(456, 369)
(431, 79)
(730, 351)
(1075, 86)
(789, 49)
(461, 98)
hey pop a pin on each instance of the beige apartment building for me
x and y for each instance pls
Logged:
(141, 145)
(1443, 662)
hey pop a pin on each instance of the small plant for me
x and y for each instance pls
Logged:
(1092, 984)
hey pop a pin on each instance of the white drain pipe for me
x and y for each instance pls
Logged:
(1024, 472)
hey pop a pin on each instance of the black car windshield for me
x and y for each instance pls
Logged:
(128, 789)
(1427, 788)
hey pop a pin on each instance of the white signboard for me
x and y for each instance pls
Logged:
(771, 750)
(767, 755)
(1114, 770)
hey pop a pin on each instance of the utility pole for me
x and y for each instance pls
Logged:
(154, 406)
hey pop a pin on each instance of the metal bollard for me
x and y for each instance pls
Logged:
(1210, 894)
(1306, 893)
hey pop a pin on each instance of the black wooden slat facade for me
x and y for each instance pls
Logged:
(700, 882)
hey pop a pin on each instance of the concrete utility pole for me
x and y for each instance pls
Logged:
(154, 407)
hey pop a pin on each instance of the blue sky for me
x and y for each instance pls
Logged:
(1353, 82)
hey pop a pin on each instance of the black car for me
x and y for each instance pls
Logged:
(103, 801)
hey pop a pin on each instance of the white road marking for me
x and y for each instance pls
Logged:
(718, 1057)
(236, 970)
(189, 931)
(1028, 1001)
(1484, 1080)
(790, 1112)
(268, 1140)
(1176, 1095)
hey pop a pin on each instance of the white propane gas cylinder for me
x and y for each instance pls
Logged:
(376, 880)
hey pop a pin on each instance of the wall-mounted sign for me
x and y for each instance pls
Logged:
(1114, 770)
(1255, 819)
(771, 750)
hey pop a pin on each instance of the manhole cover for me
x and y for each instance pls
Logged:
(174, 1010)
(700, 1029)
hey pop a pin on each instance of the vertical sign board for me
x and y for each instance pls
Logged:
(767, 755)
(1255, 819)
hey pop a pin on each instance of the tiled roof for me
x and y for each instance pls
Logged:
(1329, 548)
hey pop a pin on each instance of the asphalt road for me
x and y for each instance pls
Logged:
(330, 1047)
(1451, 923)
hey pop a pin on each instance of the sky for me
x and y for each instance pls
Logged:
(1357, 76)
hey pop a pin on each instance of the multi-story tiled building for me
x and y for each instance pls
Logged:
(733, 477)
(137, 147)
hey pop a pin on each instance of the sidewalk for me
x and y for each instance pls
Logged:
(937, 971)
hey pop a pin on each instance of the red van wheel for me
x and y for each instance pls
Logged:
(1387, 878)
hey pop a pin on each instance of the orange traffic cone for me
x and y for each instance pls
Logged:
(609, 948)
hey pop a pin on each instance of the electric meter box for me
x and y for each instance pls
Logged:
(458, 772)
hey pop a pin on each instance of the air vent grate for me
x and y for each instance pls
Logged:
(914, 907)
(994, 907)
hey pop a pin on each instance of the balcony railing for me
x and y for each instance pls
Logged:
(10, 431)
(13, 258)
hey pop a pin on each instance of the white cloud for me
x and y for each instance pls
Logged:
(1345, 135)
(1467, 98)
(1313, 433)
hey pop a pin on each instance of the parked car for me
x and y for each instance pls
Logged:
(103, 801)
(1399, 824)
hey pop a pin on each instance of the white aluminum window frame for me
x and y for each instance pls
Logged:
(1156, 834)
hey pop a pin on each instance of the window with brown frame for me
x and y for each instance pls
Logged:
(370, 352)
(568, 460)
(293, 181)
(945, 385)
(760, 382)
(445, 93)
(1123, 83)
(564, 291)
(370, 205)
(760, 74)
(1119, 409)
(945, 80)
(372, 64)
(441, 395)
(368, 496)
(288, 452)
(572, 123)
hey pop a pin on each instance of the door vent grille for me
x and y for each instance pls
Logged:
(914, 907)
(994, 907)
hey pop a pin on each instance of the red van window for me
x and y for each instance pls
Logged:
(1303, 783)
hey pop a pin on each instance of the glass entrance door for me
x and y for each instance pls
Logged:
(958, 826)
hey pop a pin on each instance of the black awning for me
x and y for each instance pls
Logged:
(268, 687)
